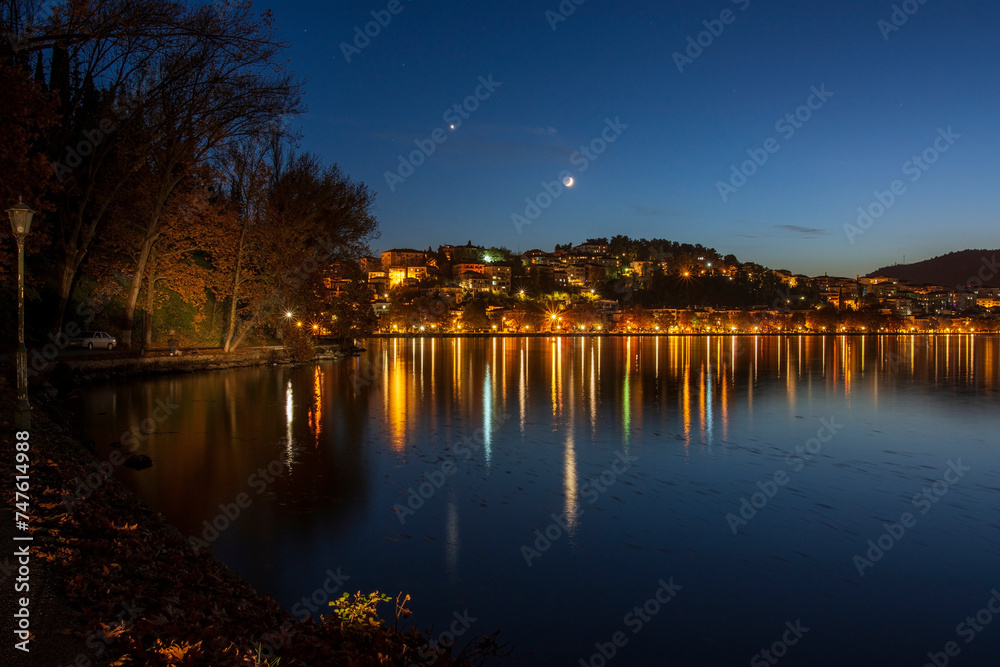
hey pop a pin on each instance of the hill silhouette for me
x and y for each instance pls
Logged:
(956, 269)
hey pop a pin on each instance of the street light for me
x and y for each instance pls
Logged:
(20, 222)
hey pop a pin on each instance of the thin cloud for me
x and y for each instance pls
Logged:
(805, 232)
(547, 130)
(648, 211)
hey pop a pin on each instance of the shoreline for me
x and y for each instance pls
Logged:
(95, 368)
(657, 334)
(113, 582)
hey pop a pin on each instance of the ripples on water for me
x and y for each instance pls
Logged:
(636, 457)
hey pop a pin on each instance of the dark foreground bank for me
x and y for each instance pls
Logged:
(110, 582)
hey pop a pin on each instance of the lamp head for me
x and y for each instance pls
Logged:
(20, 218)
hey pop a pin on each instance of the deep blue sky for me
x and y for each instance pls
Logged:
(685, 130)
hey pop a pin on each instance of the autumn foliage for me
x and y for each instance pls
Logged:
(155, 141)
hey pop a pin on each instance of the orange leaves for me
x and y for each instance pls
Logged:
(143, 596)
(180, 654)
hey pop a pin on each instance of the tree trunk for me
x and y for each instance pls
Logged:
(133, 297)
(231, 328)
(147, 327)
(76, 245)
(243, 333)
(147, 330)
(152, 234)
(66, 275)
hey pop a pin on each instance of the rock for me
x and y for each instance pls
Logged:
(139, 462)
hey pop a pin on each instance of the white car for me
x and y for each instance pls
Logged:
(92, 339)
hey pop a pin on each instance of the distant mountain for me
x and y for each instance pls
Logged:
(951, 270)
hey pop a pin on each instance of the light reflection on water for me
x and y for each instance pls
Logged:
(531, 423)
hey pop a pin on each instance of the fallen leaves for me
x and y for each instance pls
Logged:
(143, 596)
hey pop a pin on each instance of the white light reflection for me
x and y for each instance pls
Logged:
(569, 484)
(488, 417)
(523, 390)
(709, 416)
(289, 451)
(452, 542)
(627, 396)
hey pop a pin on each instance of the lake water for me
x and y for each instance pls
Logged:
(669, 500)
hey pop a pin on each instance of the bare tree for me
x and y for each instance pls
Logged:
(225, 84)
(142, 86)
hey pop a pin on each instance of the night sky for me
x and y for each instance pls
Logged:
(895, 92)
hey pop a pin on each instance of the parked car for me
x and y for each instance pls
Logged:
(92, 339)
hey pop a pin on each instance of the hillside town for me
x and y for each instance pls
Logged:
(637, 286)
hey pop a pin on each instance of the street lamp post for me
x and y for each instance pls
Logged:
(20, 221)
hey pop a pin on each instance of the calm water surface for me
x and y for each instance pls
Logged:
(640, 459)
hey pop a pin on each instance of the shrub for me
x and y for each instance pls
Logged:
(299, 343)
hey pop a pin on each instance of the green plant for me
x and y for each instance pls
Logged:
(359, 611)
(260, 661)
